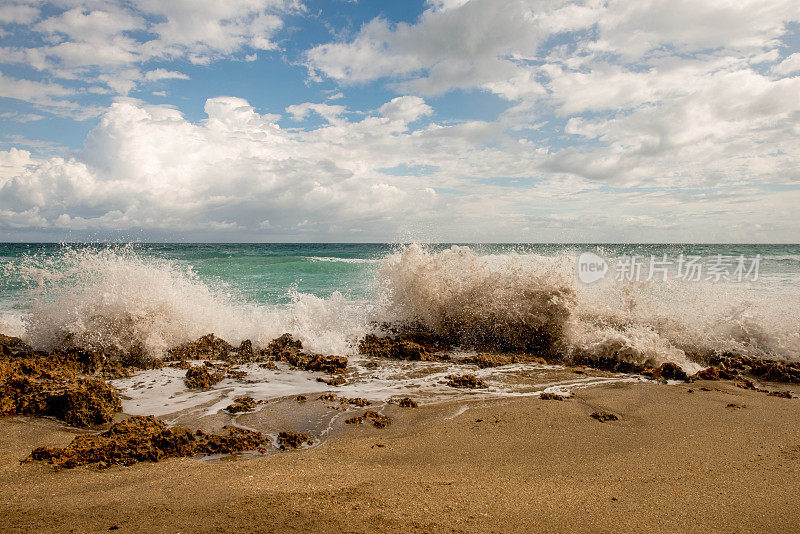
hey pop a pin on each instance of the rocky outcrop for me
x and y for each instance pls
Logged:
(416, 347)
(199, 377)
(66, 384)
(407, 403)
(378, 420)
(605, 417)
(293, 440)
(243, 404)
(208, 347)
(465, 381)
(497, 359)
(146, 439)
(288, 349)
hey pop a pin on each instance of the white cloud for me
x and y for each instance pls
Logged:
(108, 41)
(237, 173)
(163, 74)
(327, 111)
(790, 65)
(51, 97)
(18, 14)
(405, 109)
(147, 167)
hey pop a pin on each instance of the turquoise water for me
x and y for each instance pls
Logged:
(267, 273)
(329, 295)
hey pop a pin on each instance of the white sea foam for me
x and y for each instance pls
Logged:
(343, 260)
(495, 298)
(121, 299)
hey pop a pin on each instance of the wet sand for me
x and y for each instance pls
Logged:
(675, 461)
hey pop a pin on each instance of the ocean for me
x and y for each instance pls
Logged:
(649, 304)
(328, 293)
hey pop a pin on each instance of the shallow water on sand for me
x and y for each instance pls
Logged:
(162, 392)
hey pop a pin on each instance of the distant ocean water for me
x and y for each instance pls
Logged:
(157, 295)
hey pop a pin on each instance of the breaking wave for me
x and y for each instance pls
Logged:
(523, 301)
(120, 299)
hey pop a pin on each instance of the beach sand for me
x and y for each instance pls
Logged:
(674, 461)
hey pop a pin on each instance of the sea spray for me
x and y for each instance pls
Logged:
(124, 299)
(525, 301)
(117, 299)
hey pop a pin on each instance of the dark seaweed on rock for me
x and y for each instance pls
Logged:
(415, 346)
(288, 349)
(378, 420)
(198, 377)
(243, 404)
(146, 439)
(293, 440)
(465, 381)
(56, 384)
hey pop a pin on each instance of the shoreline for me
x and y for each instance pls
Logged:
(674, 460)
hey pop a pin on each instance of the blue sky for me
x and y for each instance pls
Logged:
(443, 120)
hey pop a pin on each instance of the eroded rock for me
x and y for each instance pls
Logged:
(61, 383)
(407, 403)
(417, 347)
(293, 440)
(199, 377)
(605, 417)
(208, 347)
(243, 404)
(465, 381)
(146, 439)
(378, 420)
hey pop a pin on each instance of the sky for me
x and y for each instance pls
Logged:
(372, 121)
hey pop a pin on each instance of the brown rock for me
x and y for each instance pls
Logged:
(243, 404)
(378, 420)
(292, 440)
(334, 381)
(670, 371)
(407, 403)
(358, 401)
(465, 381)
(715, 373)
(208, 347)
(402, 347)
(146, 439)
(782, 394)
(605, 417)
(198, 377)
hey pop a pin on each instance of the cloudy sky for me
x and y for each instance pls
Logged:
(444, 120)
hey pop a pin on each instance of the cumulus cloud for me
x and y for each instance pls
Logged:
(405, 108)
(148, 167)
(649, 93)
(627, 120)
(104, 43)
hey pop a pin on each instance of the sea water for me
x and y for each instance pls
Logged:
(151, 297)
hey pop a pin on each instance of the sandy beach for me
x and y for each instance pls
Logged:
(674, 461)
